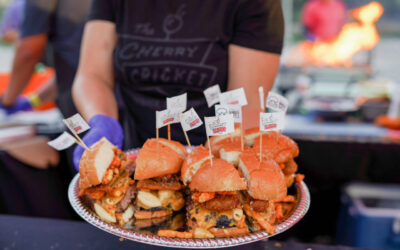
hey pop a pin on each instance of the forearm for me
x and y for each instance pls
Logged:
(28, 53)
(22, 70)
(92, 96)
(251, 69)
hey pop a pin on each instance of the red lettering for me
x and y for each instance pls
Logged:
(269, 126)
(194, 122)
(77, 129)
(168, 120)
(234, 102)
(219, 130)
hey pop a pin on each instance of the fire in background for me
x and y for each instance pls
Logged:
(353, 38)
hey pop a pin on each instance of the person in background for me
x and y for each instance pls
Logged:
(57, 24)
(12, 21)
(323, 19)
(150, 50)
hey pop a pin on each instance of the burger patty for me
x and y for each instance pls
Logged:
(259, 205)
(130, 194)
(222, 203)
(160, 183)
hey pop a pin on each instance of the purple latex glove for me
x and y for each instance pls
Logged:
(100, 126)
(21, 104)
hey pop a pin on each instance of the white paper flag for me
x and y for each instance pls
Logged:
(224, 109)
(166, 117)
(76, 124)
(276, 102)
(272, 121)
(219, 125)
(65, 140)
(190, 120)
(261, 96)
(177, 102)
(212, 95)
(236, 96)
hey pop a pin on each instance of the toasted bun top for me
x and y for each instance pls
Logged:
(277, 146)
(221, 176)
(265, 180)
(152, 163)
(267, 184)
(192, 163)
(95, 162)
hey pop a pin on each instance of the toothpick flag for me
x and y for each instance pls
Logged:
(177, 103)
(277, 102)
(65, 140)
(190, 120)
(219, 125)
(212, 95)
(225, 109)
(236, 96)
(76, 124)
(166, 117)
(272, 121)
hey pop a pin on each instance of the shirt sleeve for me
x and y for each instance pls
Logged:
(259, 25)
(102, 10)
(38, 17)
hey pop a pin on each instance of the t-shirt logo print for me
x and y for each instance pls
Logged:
(146, 58)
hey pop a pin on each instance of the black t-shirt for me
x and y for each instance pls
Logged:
(168, 47)
(63, 22)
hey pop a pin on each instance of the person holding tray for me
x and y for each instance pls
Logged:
(136, 53)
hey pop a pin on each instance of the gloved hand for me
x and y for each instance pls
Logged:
(21, 104)
(100, 126)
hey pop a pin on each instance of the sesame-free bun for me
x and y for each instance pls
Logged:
(193, 162)
(95, 162)
(277, 146)
(265, 180)
(220, 176)
(151, 162)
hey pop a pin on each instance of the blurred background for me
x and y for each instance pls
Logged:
(340, 70)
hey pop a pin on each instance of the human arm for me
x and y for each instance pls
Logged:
(94, 80)
(28, 53)
(250, 69)
(93, 88)
(255, 52)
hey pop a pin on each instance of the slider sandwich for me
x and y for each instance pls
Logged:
(265, 184)
(214, 208)
(193, 163)
(282, 149)
(105, 185)
(159, 190)
(216, 142)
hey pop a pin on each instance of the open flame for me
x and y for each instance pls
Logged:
(353, 37)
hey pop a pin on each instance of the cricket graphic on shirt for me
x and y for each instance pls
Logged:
(167, 59)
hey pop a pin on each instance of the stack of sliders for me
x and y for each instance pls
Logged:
(159, 189)
(265, 185)
(105, 183)
(281, 149)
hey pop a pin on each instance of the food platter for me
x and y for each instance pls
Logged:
(302, 206)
